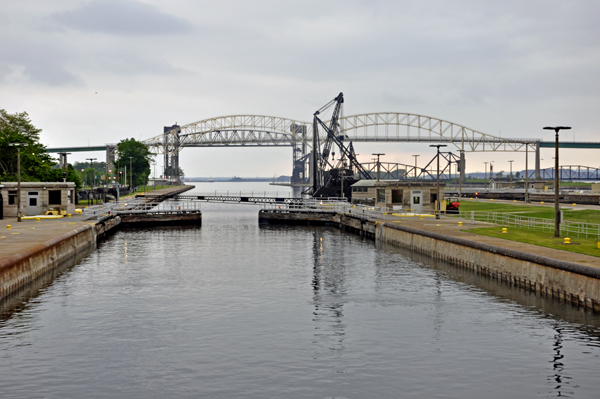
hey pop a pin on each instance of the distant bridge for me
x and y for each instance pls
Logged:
(261, 130)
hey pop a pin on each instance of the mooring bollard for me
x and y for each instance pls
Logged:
(460, 223)
(574, 204)
(567, 240)
(37, 219)
(504, 230)
(8, 226)
(542, 202)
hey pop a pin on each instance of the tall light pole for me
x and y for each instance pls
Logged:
(130, 173)
(437, 210)
(18, 145)
(378, 164)
(93, 178)
(510, 162)
(526, 173)
(485, 176)
(415, 166)
(556, 180)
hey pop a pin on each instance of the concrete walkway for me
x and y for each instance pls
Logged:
(449, 226)
(30, 233)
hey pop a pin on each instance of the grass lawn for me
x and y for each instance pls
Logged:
(544, 212)
(544, 239)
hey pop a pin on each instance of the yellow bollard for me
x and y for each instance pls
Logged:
(69, 215)
(574, 204)
(421, 217)
(504, 230)
(567, 240)
(8, 226)
(460, 223)
(491, 199)
(598, 245)
(37, 219)
(542, 202)
(515, 201)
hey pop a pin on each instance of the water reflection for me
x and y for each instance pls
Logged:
(328, 294)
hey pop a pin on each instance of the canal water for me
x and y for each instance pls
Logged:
(238, 310)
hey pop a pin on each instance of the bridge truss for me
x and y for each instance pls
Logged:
(262, 130)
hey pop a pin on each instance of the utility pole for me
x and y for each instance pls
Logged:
(556, 179)
(19, 211)
(415, 166)
(93, 179)
(511, 170)
(130, 174)
(526, 173)
(378, 164)
(437, 205)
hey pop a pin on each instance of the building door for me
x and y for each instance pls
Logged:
(416, 203)
(33, 203)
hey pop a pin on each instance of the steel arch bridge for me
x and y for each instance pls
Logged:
(263, 130)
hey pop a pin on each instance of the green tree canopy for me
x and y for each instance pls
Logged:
(141, 157)
(36, 163)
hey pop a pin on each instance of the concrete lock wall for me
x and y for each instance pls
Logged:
(567, 281)
(20, 269)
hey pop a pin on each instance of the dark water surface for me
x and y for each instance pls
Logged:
(234, 310)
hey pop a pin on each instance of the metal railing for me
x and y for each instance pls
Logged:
(365, 212)
(138, 206)
(578, 229)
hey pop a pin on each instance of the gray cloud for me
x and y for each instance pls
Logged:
(115, 17)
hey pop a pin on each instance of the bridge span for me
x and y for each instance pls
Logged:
(262, 130)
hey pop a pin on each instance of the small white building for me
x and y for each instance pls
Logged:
(37, 198)
(393, 194)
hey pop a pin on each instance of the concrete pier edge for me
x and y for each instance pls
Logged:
(511, 253)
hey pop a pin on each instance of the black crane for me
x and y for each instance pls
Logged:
(328, 179)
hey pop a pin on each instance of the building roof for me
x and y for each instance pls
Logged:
(383, 183)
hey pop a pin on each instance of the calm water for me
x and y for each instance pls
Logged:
(235, 310)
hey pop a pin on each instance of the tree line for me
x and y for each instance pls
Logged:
(37, 165)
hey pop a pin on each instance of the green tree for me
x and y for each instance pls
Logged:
(172, 171)
(141, 160)
(35, 161)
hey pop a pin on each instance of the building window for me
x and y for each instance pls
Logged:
(416, 200)
(54, 197)
(433, 197)
(12, 198)
(380, 195)
(396, 196)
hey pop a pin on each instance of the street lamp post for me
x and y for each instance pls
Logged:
(415, 166)
(556, 180)
(437, 206)
(378, 164)
(526, 173)
(485, 175)
(130, 173)
(511, 170)
(18, 145)
(92, 179)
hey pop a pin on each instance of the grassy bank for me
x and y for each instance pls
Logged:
(585, 246)
(570, 213)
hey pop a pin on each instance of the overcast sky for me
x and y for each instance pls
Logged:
(103, 70)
